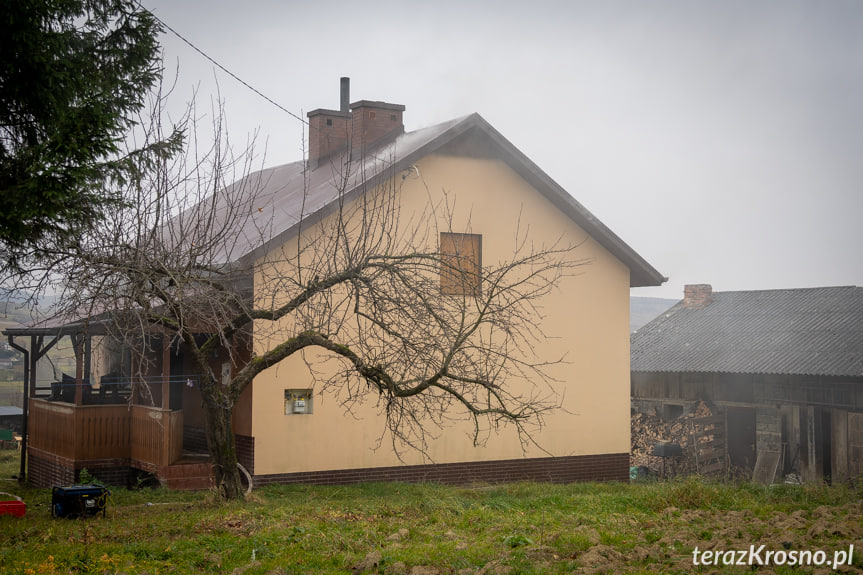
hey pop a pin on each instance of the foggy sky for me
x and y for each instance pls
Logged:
(723, 140)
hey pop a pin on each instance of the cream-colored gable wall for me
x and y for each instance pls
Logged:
(586, 319)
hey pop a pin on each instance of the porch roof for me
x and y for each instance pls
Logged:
(59, 326)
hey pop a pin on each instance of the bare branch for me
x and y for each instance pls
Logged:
(429, 329)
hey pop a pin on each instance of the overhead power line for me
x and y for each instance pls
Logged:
(220, 67)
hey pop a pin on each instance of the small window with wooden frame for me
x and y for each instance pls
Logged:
(461, 264)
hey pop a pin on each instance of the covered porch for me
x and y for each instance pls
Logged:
(120, 414)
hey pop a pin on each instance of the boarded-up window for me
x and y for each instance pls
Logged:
(461, 264)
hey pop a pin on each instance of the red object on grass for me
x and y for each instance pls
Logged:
(13, 508)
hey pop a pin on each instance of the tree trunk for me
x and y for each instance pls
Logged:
(223, 450)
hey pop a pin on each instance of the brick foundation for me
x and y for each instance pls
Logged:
(113, 475)
(246, 452)
(46, 469)
(188, 476)
(606, 467)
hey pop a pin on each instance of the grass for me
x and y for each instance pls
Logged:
(392, 528)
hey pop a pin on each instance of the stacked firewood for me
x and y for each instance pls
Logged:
(648, 430)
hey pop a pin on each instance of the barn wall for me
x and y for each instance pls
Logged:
(816, 423)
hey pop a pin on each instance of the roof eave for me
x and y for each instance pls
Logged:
(747, 372)
(642, 274)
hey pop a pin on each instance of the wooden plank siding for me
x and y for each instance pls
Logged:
(855, 445)
(156, 435)
(101, 432)
(50, 427)
(79, 432)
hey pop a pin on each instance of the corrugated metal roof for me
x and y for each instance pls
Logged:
(814, 331)
(286, 194)
(279, 198)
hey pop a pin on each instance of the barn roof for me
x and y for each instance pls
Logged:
(813, 331)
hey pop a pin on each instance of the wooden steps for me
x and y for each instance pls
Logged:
(193, 472)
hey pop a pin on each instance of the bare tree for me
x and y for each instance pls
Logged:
(363, 280)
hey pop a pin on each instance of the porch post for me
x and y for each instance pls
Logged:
(38, 349)
(25, 405)
(35, 354)
(135, 380)
(812, 469)
(78, 346)
(166, 372)
(88, 359)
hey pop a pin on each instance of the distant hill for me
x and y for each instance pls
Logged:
(644, 309)
(12, 314)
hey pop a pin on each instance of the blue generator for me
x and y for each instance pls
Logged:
(79, 500)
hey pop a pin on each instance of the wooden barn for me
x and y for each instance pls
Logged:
(783, 367)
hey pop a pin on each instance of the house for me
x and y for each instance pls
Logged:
(285, 430)
(783, 369)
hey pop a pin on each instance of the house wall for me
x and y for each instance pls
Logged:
(106, 357)
(223, 365)
(587, 320)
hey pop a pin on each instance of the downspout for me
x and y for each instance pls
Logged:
(22, 475)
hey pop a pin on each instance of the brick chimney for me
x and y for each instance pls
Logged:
(330, 130)
(374, 123)
(697, 296)
(354, 127)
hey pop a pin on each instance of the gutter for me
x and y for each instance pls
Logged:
(22, 475)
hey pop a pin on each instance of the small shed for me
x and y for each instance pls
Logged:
(10, 417)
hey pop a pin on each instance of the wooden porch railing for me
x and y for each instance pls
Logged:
(156, 435)
(89, 432)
